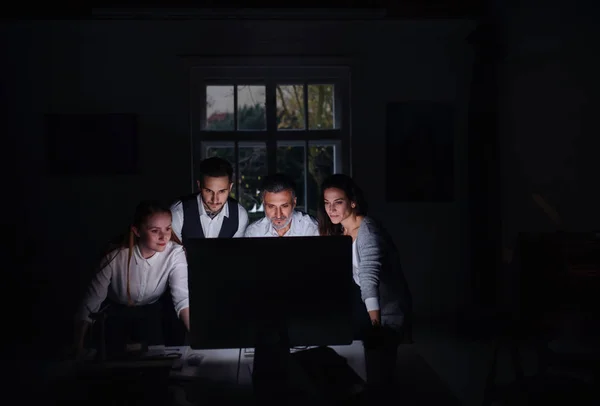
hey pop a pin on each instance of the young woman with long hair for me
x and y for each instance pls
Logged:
(132, 278)
(382, 304)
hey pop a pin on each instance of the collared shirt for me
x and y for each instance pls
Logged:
(302, 225)
(210, 227)
(147, 280)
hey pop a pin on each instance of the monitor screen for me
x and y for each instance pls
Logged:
(238, 286)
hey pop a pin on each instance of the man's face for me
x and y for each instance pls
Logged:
(279, 208)
(215, 191)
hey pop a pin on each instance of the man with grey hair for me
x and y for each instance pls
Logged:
(281, 219)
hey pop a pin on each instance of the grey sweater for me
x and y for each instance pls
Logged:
(380, 273)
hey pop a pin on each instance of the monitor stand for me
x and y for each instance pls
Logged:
(270, 375)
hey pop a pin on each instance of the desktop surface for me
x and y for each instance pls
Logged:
(202, 376)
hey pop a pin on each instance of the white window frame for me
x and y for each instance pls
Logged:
(224, 71)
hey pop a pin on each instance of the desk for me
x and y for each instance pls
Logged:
(222, 365)
(216, 375)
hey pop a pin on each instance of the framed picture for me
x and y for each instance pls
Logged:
(419, 152)
(91, 144)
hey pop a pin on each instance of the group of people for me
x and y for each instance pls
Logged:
(151, 260)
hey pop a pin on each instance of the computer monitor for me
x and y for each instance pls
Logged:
(243, 288)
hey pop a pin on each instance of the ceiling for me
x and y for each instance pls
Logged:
(260, 9)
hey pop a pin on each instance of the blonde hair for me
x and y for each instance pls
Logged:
(143, 212)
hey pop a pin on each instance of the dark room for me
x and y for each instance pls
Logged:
(452, 140)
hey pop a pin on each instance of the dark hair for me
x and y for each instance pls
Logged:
(353, 193)
(215, 167)
(276, 183)
(143, 212)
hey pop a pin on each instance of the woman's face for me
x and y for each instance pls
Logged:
(155, 233)
(337, 205)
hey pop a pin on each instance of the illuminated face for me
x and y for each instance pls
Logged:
(215, 191)
(337, 205)
(279, 208)
(154, 234)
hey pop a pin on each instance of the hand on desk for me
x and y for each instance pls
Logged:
(194, 359)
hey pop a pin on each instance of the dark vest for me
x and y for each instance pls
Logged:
(192, 228)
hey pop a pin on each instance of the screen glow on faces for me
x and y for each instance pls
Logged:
(337, 205)
(215, 191)
(279, 208)
(154, 234)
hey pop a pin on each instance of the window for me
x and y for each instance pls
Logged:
(267, 120)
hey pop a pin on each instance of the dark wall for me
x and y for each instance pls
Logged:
(548, 125)
(135, 67)
(484, 201)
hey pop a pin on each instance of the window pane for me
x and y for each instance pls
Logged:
(322, 158)
(222, 150)
(253, 168)
(219, 108)
(290, 160)
(320, 107)
(290, 107)
(251, 108)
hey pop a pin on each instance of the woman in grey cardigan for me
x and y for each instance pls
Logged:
(382, 299)
(384, 295)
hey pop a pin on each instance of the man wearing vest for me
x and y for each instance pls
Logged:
(210, 213)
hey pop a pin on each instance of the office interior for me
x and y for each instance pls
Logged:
(503, 261)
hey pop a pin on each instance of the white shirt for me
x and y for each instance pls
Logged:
(210, 227)
(147, 280)
(371, 303)
(302, 225)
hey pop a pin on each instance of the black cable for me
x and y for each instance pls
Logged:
(237, 379)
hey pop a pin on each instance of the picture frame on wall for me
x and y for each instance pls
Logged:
(419, 152)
